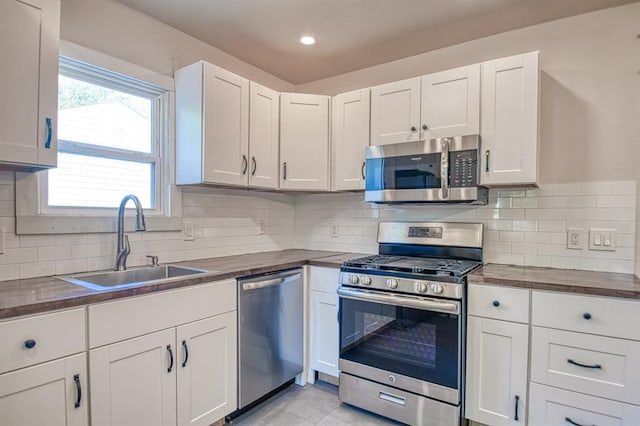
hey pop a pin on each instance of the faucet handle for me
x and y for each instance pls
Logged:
(127, 247)
(154, 260)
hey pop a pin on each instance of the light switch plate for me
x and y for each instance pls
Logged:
(334, 230)
(187, 232)
(602, 239)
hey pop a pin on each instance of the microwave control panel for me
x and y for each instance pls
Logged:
(463, 168)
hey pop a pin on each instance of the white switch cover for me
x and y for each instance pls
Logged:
(262, 227)
(334, 230)
(602, 239)
(187, 232)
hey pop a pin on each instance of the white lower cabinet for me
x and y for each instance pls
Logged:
(324, 328)
(185, 374)
(134, 382)
(557, 407)
(497, 355)
(207, 379)
(52, 394)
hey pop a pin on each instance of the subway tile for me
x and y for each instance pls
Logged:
(19, 255)
(625, 187)
(525, 225)
(36, 269)
(616, 201)
(524, 248)
(537, 260)
(9, 272)
(511, 259)
(512, 236)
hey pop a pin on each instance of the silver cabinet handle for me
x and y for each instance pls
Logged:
(255, 166)
(284, 171)
(364, 163)
(486, 161)
(392, 398)
(245, 164)
(270, 283)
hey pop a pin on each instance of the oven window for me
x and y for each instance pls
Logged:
(412, 342)
(407, 172)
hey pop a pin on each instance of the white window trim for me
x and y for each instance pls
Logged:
(34, 217)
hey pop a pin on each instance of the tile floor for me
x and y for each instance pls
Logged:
(316, 404)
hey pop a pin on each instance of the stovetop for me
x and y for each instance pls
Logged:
(412, 265)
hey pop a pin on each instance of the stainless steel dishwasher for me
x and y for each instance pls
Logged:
(270, 327)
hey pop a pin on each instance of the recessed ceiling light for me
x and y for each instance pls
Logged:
(308, 40)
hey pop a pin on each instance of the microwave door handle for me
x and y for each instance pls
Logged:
(444, 168)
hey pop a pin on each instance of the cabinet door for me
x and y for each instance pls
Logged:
(29, 33)
(207, 370)
(134, 382)
(350, 138)
(451, 103)
(497, 355)
(53, 393)
(304, 142)
(395, 112)
(324, 332)
(226, 127)
(264, 112)
(509, 123)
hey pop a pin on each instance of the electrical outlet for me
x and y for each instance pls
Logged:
(187, 232)
(602, 239)
(262, 227)
(575, 238)
(334, 230)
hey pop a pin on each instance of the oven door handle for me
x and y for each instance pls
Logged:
(403, 301)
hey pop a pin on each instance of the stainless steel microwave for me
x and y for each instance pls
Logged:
(435, 170)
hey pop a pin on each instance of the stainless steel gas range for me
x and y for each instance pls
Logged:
(402, 322)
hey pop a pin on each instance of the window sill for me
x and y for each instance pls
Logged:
(31, 225)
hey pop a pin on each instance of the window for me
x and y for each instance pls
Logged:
(115, 133)
(109, 142)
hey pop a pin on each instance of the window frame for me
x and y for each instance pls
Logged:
(34, 216)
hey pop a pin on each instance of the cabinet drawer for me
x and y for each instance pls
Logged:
(587, 314)
(512, 303)
(123, 319)
(550, 407)
(595, 365)
(324, 279)
(55, 335)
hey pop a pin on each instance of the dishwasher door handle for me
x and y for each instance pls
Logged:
(270, 283)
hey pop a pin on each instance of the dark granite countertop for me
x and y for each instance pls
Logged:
(37, 295)
(566, 280)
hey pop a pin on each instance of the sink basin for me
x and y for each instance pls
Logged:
(111, 280)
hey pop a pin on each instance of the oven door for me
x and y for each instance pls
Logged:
(408, 342)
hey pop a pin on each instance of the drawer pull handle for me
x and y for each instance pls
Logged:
(517, 402)
(76, 379)
(496, 303)
(586, 316)
(170, 359)
(568, 420)
(30, 344)
(186, 353)
(392, 398)
(570, 361)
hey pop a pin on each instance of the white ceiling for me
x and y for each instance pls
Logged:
(351, 34)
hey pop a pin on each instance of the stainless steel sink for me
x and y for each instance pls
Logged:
(111, 280)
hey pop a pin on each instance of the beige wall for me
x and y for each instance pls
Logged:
(124, 33)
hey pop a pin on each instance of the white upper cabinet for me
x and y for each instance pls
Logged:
(304, 142)
(395, 112)
(350, 138)
(264, 121)
(29, 37)
(509, 123)
(451, 103)
(212, 126)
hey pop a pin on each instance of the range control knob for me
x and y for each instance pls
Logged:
(421, 287)
(365, 280)
(353, 279)
(437, 288)
(392, 283)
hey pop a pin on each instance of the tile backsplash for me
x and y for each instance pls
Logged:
(522, 227)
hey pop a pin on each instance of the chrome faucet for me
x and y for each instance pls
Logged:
(123, 249)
